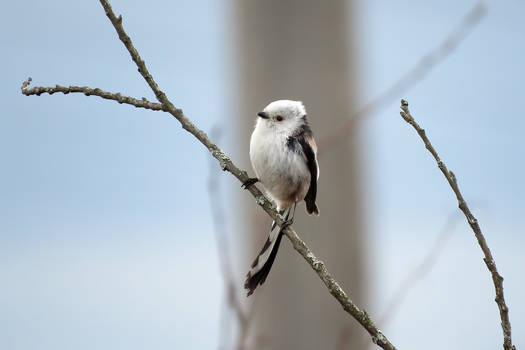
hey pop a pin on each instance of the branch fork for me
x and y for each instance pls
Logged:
(225, 163)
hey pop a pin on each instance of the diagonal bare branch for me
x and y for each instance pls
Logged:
(428, 62)
(227, 165)
(473, 222)
(86, 90)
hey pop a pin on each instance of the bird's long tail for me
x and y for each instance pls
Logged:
(263, 263)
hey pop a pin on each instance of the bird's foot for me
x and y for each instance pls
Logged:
(246, 184)
(287, 223)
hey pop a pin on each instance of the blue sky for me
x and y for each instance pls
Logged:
(106, 239)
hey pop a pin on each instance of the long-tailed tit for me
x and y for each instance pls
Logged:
(283, 154)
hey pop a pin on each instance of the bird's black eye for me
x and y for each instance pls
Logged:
(279, 118)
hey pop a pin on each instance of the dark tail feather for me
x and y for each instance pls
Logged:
(257, 276)
(311, 207)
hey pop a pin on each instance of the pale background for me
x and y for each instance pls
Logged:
(106, 240)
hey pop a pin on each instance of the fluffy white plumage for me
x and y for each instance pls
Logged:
(282, 171)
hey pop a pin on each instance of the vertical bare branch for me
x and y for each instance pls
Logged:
(473, 222)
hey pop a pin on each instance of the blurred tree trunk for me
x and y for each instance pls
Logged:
(301, 50)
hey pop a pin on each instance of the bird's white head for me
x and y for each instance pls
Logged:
(283, 116)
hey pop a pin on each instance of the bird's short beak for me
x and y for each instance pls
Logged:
(263, 115)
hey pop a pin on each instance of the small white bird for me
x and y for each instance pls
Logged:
(283, 154)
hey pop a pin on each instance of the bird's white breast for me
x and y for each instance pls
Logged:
(282, 171)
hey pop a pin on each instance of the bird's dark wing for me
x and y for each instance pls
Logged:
(307, 142)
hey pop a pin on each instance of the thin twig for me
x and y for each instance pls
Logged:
(223, 247)
(86, 90)
(420, 270)
(226, 164)
(473, 222)
(415, 75)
